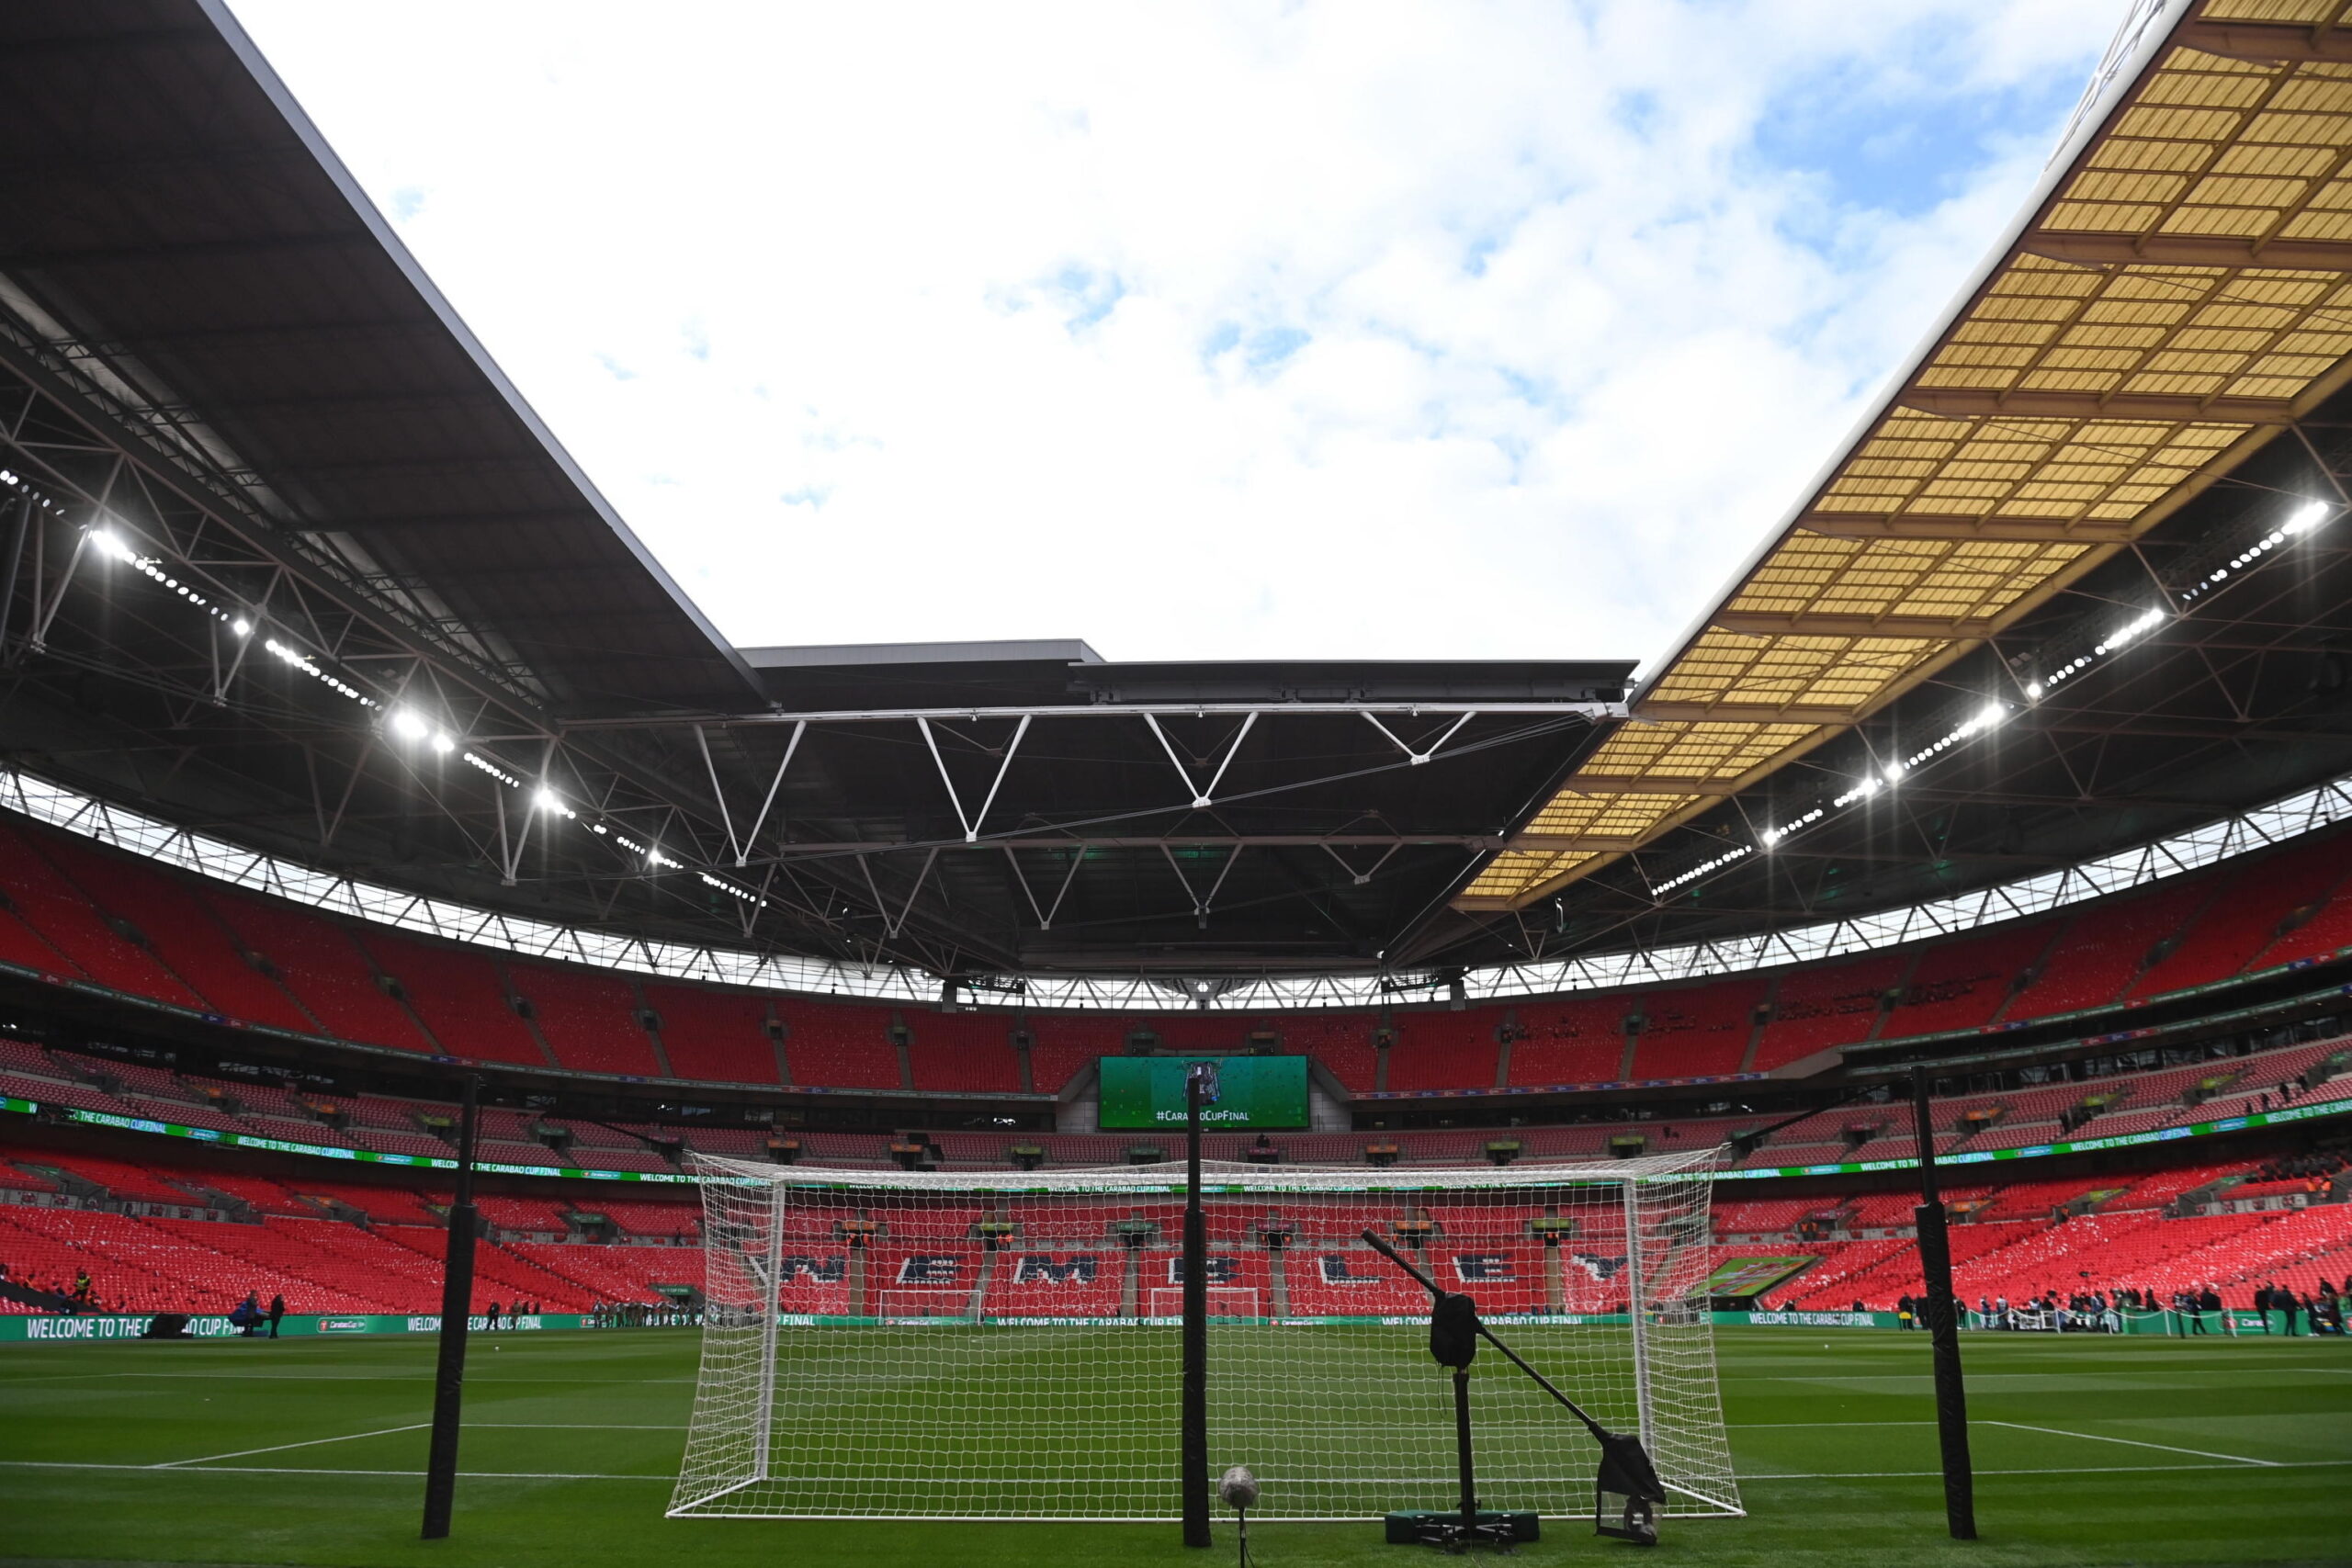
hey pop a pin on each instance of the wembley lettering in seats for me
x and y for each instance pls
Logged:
(1333, 1265)
(1214, 1271)
(1474, 1267)
(930, 1268)
(823, 1271)
(1037, 1269)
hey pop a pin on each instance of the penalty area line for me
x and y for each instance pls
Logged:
(307, 1469)
(2041, 1470)
(2132, 1442)
(281, 1447)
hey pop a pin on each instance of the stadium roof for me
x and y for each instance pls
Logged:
(239, 403)
(2173, 300)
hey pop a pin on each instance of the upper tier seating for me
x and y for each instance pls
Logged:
(1063, 1044)
(64, 914)
(1577, 1039)
(842, 1047)
(318, 961)
(2329, 926)
(963, 1052)
(456, 993)
(20, 946)
(2104, 947)
(1696, 1031)
(74, 909)
(713, 1035)
(1962, 984)
(1825, 1005)
(184, 930)
(1445, 1050)
(2244, 916)
(1340, 1041)
(588, 1020)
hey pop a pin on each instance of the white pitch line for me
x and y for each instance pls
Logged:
(1807, 1425)
(582, 1475)
(305, 1470)
(339, 1376)
(571, 1426)
(281, 1447)
(2132, 1442)
(2075, 1469)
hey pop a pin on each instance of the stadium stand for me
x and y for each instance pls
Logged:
(1341, 1042)
(2325, 930)
(2247, 914)
(1962, 984)
(22, 947)
(1064, 1044)
(843, 1047)
(589, 1020)
(2103, 949)
(1026, 1281)
(197, 944)
(1574, 1040)
(320, 963)
(73, 926)
(645, 1219)
(456, 993)
(713, 1035)
(1702, 1031)
(1445, 1050)
(962, 1051)
(184, 933)
(1821, 1006)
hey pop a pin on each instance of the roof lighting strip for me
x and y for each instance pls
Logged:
(2303, 520)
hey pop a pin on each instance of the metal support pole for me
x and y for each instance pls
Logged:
(456, 1307)
(19, 526)
(1195, 1456)
(1463, 1454)
(1943, 1326)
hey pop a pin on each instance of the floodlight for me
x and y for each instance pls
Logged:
(110, 545)
(2306, 517)
(241, 627)
(442, 744)
(408, 725)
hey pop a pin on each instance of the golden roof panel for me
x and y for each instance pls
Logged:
(2182, 292)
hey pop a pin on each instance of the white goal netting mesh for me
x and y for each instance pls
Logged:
(1002, 1345)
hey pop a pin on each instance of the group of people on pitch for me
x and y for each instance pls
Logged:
(2195, 1309)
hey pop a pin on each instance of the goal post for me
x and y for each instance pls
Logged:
(1002, 1344)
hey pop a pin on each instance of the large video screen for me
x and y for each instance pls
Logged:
(1253, 1092)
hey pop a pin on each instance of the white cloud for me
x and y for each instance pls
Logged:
(1341, 329)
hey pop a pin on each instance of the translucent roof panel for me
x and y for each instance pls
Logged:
(2180, 292)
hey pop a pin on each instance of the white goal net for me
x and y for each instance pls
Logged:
(1002, 1345)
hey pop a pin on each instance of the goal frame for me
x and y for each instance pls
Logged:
(729, 1469)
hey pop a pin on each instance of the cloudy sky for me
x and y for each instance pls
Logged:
(1197, 331)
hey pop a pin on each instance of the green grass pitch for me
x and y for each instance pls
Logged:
(2089, 1451)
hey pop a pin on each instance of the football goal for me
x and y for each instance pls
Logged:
(1004, 1345)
